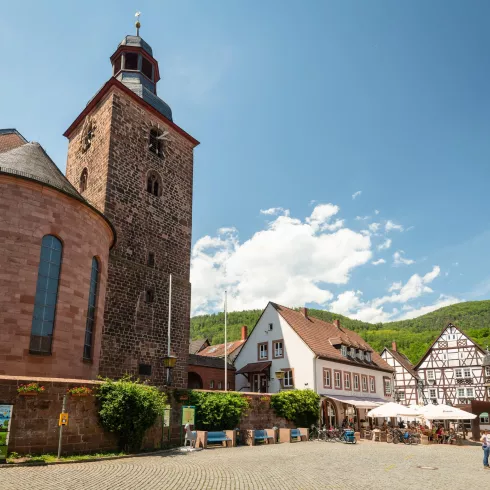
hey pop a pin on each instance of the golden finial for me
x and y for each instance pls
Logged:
(137, 24)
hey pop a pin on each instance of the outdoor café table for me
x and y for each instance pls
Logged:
(375, 431)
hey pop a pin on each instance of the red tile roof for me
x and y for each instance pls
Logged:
(404, 361)
(321, 337)
(218, 350)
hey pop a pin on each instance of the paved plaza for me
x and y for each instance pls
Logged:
(309, 465)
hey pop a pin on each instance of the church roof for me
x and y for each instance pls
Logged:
(137, 42)
(31, 161)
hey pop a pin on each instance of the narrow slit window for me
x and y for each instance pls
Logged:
(92, 301)
(83, 180)
(149, 296)
(155, 143)
(151, 259)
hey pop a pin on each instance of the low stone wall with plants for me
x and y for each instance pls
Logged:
(37, 403)
(124, 415)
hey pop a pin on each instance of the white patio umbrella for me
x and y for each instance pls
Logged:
(392, 409)
(444, 412)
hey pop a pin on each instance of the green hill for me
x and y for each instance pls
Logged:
(413, 337)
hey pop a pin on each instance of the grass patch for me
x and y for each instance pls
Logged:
(52, 458)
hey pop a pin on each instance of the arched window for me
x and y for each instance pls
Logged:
(92, 301)
(83, 180)
(153, 185)
(46, 295)
(149, 296)
(155, 144)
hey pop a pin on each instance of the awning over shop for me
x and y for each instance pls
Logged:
(357, 401)
(254, 368)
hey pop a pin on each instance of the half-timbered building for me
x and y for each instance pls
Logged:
(451, 370)
(405, 378)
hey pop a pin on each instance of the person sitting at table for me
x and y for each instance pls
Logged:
(384, 426)
(440, 434)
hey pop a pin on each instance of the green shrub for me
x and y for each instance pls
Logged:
(299, 406)
(217, 411)
(128, 408)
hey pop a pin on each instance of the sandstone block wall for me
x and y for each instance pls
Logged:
(29, 211)
(118, 163)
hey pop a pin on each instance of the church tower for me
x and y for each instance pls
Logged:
(129, 159)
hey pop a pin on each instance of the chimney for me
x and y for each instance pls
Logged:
(393, 346)
(337, 323)
(304, 312)
(244, 332)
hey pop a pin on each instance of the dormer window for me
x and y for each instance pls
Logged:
(131, 61)
(361, 355)
(343, 350)
(368, 356)
(353, 352)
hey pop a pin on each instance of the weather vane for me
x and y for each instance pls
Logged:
(137, 24)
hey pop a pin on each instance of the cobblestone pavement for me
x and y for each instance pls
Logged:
(307, 465)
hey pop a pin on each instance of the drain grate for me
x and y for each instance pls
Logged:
(427, 467)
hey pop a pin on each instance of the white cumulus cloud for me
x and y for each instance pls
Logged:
(350, 302)
(289, 261)
(356, 194)
(385, 245)
(389, 226)
(275, 211)
(399, 259)
(379, 262)
(374, 227)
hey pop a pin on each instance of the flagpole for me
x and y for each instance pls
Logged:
(226, 347)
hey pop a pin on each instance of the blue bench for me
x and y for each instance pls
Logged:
(293, 435)
(262, 436)
(222, 437)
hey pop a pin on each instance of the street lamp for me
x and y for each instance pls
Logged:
(169, 363)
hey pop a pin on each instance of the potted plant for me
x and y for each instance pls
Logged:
(79, 391)
(31, 389)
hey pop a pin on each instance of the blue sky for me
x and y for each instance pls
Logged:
(296, 102)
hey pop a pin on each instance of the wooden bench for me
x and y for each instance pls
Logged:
(225, 438)
(293, 435)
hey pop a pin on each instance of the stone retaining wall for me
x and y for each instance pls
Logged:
(34, 428)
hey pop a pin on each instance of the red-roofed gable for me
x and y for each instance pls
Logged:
(321, 337)
(218, 350)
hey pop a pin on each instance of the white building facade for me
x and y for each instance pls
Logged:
(287, 349)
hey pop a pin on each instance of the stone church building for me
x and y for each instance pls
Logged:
(86, 258)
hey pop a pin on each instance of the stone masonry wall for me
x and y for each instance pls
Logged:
(10, 141)
(208, 374)
(135, 332)
(34, 428)
(28, 211)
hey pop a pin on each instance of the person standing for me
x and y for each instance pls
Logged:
(485, 439)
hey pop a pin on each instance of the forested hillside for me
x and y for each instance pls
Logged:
(412, 336)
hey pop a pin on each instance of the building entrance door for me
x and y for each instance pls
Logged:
(259, 383)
